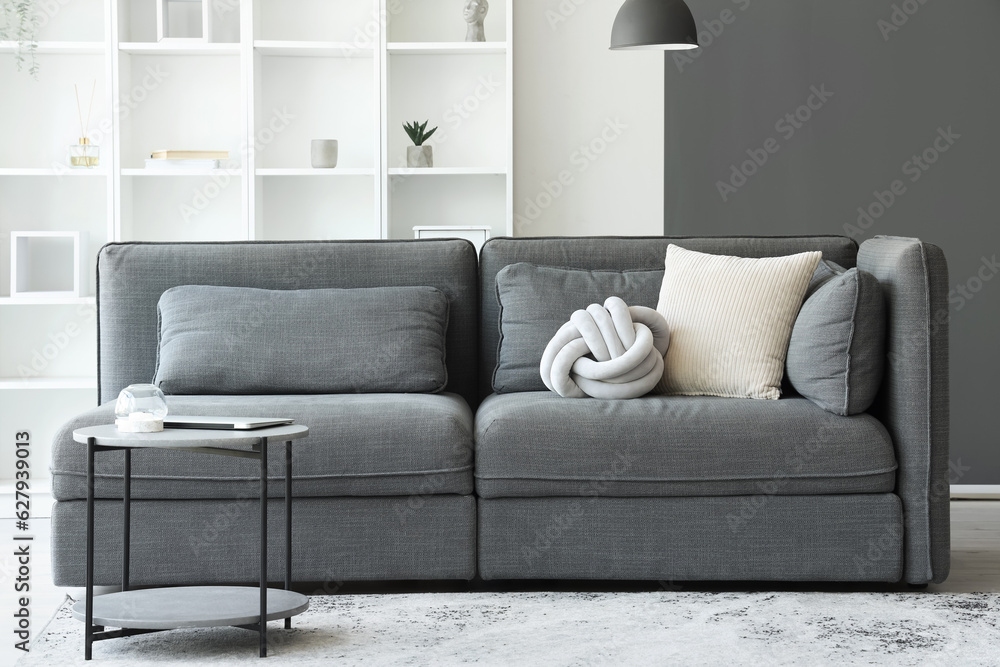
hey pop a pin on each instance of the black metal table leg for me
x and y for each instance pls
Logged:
(127, 519)
(89, 619)
(263, 547)
(288, 523)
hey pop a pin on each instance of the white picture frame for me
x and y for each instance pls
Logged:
(62, 274)
(163, 21)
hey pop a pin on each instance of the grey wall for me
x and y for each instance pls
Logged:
(894, 93)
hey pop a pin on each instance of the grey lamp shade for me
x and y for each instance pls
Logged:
(654, 24)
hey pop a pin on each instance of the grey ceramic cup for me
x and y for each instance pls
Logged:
(324, 153)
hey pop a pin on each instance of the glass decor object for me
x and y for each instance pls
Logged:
(140, 409)
(84, 154)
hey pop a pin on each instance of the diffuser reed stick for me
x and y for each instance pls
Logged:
(83, 154)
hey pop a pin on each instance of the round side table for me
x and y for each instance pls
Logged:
(137, 612)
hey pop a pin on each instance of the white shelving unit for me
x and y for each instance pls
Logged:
(446, 48)
(49, 343)
(48, 383)
(465, 89)
(271, 76)
(61, 48)
(309, 79)
(174, 49)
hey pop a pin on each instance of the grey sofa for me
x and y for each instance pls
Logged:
(383, 482)
(702, 488)
(657, 488)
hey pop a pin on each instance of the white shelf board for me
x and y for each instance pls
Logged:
(44, 301)
(448, 171)
(60, 48)
(12, 171)
(445, 48)
(336, 171)
(269, 47)
(48, 383)
(181, 48)
(181, 172)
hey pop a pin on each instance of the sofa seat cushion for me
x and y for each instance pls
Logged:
(358, 445)
(539, 444)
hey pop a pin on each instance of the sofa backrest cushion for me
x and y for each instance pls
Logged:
(133, 276)
(244, 340)
(536, 300)
(620, 254)
(836, 355)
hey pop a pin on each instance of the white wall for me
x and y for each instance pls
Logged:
(571, 92)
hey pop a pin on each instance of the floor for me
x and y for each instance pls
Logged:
(975, 563)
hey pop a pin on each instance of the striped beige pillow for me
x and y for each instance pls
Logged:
(730, 321)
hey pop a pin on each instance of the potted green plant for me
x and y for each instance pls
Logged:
(419, 155)
(19, 24)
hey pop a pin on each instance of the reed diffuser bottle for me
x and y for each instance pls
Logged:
(84, 155)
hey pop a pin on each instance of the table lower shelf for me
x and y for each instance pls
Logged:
(190, 607)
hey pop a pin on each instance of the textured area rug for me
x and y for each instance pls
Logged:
(683, 628)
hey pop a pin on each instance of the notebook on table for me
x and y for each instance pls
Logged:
(224, 423)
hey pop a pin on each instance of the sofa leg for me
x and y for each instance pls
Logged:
(917, 587)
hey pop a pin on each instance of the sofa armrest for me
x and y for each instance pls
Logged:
(913, 401)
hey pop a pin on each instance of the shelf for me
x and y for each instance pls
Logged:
(66, 171)
(447, 171)
(181, 48)
(43, 301)
(181, 172)
(268, 47)
(60, 48)
(48, 383)
(444, 48)
(336, 171)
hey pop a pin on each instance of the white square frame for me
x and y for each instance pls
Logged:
(477, 234)
(163, 21)
(19, 263)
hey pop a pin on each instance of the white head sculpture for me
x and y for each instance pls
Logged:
(475, 13)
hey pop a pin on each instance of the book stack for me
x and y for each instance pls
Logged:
(182, 160)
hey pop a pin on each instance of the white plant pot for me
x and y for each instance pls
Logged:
(324, 153)
(419, 156)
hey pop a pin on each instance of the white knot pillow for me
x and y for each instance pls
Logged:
(627, 346)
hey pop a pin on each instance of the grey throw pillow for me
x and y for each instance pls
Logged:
(836, 355)
(239, 340)
(536, 300)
